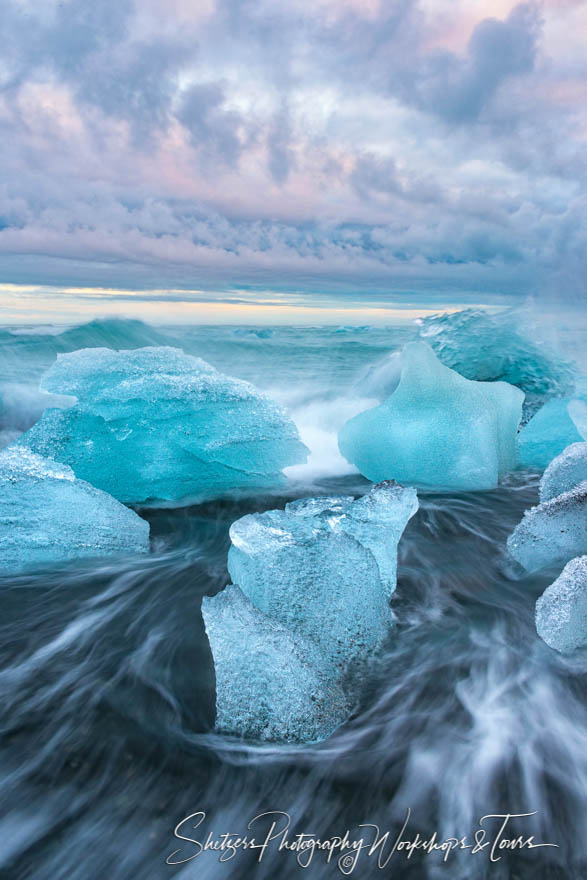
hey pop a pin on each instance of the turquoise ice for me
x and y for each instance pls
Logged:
(157, 424)
(47, 515)
(437, 429)
(564, 472)
(270, 683)
(551, 430)
(325, 567)
(553, 532)
(309, 606)
(490, 348)
(561, 611)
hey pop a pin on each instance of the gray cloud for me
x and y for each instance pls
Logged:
(288, 143)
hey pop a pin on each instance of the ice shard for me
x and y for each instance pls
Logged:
(437, 429)
(553, 532)
(47, 515)
(270, 684)
(561, 611)
(309, 606)
(326, 567)
(157, 424)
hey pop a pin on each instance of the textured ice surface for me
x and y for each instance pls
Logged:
(437, 429)
(564, 472)
(47, 515)
(270, 683)
(488, 347)
(553, 532)
(310, 602)
(155, 423)
(549, 432)
(325, 568)
(561, 611)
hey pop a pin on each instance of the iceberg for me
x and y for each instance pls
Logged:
(561, 611)
(157, 424)
(564, 472)
(325, 567)
(491, 348)
(269, 682)
(309, 604)
(549, 432)
(437, 429)
(47, 515)
(553, 532)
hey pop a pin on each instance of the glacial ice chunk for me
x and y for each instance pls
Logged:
(155, 423)
(561, 611)
(549, 432)
(553, 532)
(437, 429)
(564, 472)
(489, 348)
(47, 515)
(325, 568)
(270, 683)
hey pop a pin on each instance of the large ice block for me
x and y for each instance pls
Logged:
(553, 532)
(437, 429)
(155, 423)
(47, 515)
(325, 567)
(564, 472)
(561, 611)
(490, 347)
(548, 433)
(270, 683)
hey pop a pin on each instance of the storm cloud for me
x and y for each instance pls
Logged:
(377, 145)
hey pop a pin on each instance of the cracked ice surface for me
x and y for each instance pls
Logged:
(155, 423)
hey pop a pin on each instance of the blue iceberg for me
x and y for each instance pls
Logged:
(561, 611)
(491, 348)
(550, 431)
(270, 684)
(437, 429)
(553, 532)
(47, 515)
(157, 424)
(309, 605)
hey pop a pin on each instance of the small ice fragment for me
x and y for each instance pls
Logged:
(553, 532)
(561, 611)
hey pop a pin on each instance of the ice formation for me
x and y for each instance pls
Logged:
(549, 432)
(269, 682)
(561, 611)
(488, 347)
(325, 567)
(155, 423)
(47, 515)
(564, 472)
(437, 429)
(553, 532)
(316, 579)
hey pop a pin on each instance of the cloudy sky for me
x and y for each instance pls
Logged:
(391, 150)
